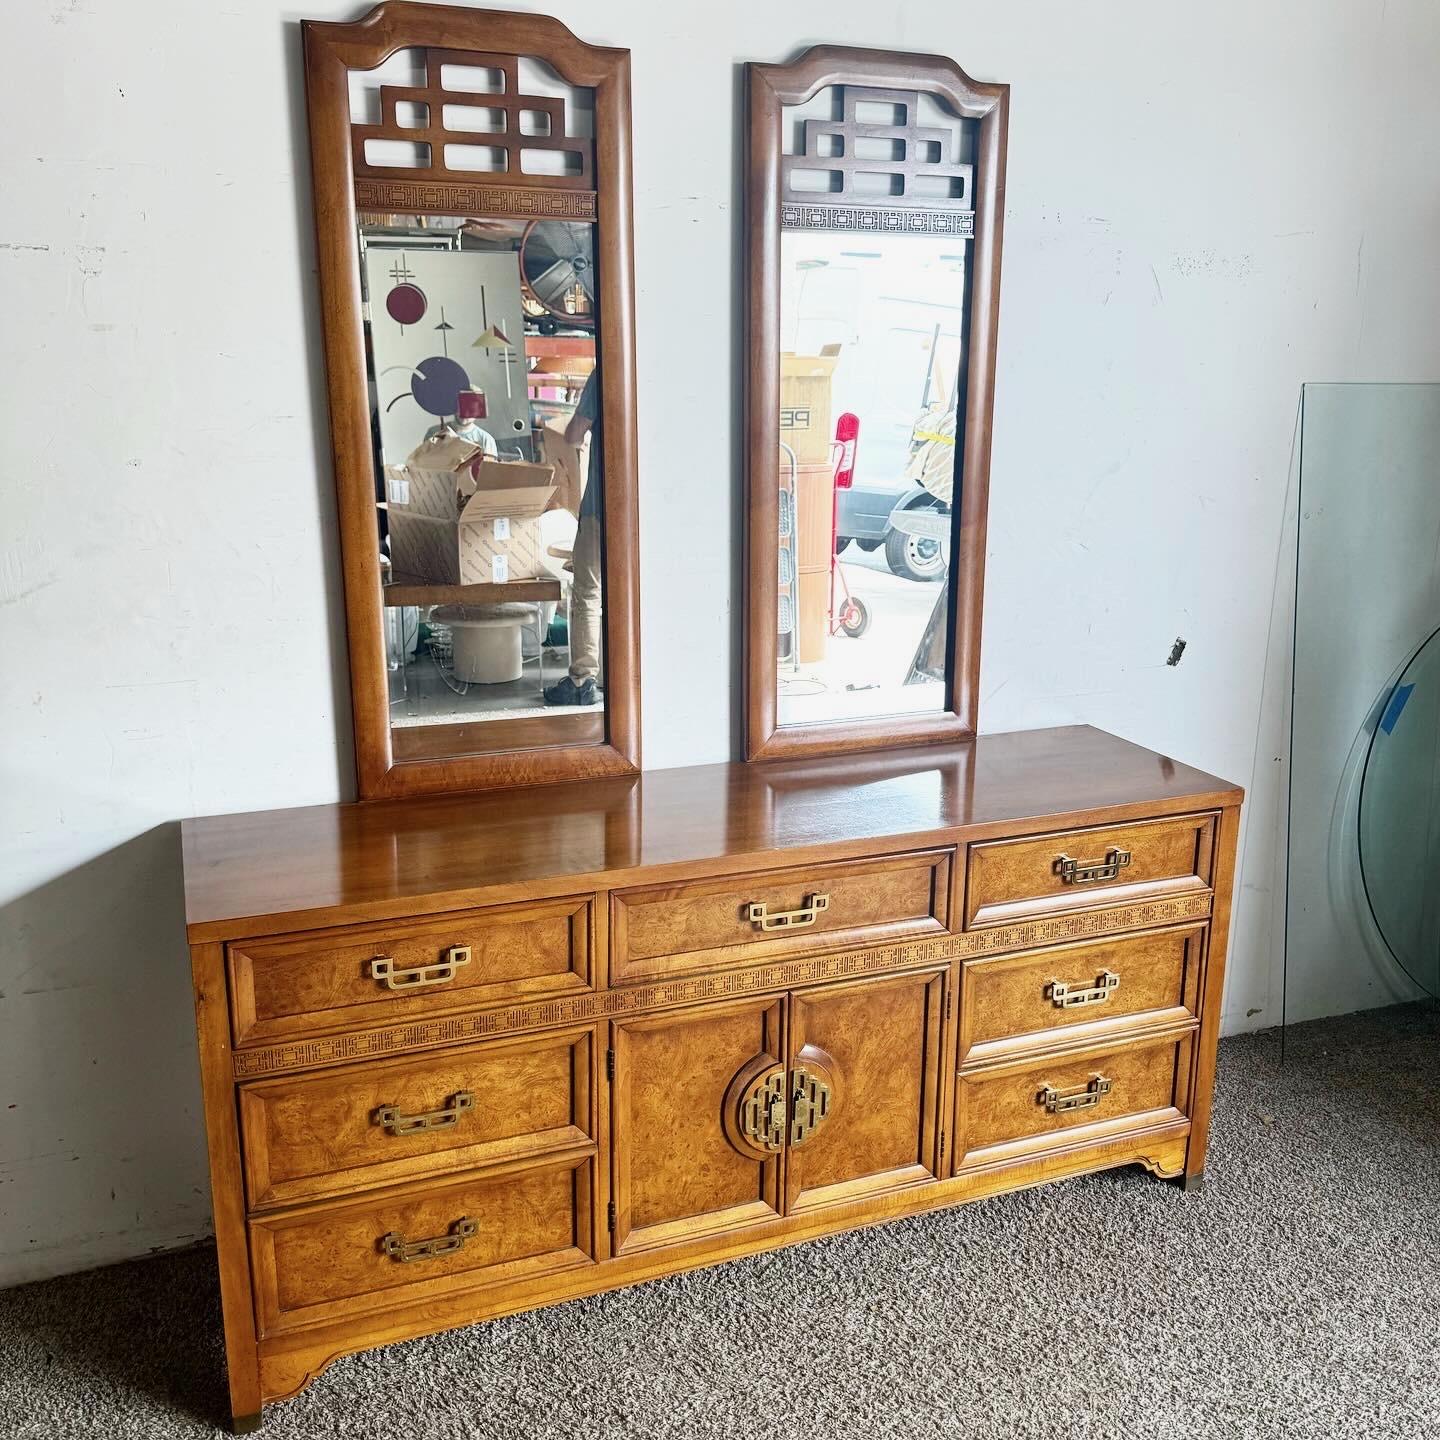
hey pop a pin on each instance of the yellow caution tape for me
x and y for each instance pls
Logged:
(931, 435)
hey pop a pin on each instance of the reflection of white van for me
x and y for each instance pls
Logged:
(895, 306)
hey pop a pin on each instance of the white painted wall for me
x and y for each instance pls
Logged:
(1207, 206)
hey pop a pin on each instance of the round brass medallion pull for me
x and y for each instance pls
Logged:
(397, 1247)
(755, 1112)
(767, 1108)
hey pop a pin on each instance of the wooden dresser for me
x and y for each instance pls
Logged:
(468, 1055)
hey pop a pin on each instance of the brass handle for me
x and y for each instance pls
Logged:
(807, 914)
(397, 1247)
(382, 968)
(812, 1093)
(1064, 997)
(1086, 872)
(391, 1118)
(1058, 1102)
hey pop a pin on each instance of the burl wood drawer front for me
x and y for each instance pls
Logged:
(294, 985)
(1048, 997)
(876, 1045)
(661, 930)
(328, 1263)
(380, 1123)
(1026, 1109)
(1011, 880)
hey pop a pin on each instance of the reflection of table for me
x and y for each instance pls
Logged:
(404, 591)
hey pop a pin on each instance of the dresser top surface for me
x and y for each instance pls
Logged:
(329, 864)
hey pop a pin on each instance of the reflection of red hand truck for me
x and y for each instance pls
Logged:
(850, 617)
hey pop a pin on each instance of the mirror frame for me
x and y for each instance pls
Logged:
(331, 51)
(769, 88)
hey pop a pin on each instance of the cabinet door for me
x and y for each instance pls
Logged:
(680, 1170)
(876, 1045)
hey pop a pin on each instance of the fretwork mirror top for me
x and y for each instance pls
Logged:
(874, 187)
(472, 202)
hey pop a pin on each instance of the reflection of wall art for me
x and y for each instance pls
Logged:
(472, 308)
(406, 303)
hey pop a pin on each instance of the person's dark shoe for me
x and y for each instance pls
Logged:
(567, 692)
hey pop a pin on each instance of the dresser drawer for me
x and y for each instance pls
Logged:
(1030, 1108)
(295, 985)
(375, 1124)
(1009, 880)
(1031, 1001)
(661, 930)
(422, 1244)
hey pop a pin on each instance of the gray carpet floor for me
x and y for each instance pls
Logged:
(1296, 1294)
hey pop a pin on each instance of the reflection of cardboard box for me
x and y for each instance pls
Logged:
(476, 525)
(805, 403)
(569, 478)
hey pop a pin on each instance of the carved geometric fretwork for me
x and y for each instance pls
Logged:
(507, 136)
(928, 191)
(465, 197)
(889, 222)
(726, 984)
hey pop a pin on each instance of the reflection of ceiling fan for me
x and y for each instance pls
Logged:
(557, 263)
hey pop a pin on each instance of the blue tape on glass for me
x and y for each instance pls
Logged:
(1391, 716)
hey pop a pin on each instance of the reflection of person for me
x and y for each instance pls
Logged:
(579, 686)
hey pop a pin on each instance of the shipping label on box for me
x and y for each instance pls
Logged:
(477, 525)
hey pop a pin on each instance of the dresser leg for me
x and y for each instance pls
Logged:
(1191, 1182)
(245, 1424)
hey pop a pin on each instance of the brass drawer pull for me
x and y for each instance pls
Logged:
(1086, 872)
(382, 968)
(788, 919)
(397, 1247)
(1058, 1102)
(391, 1118)
(1107, 982)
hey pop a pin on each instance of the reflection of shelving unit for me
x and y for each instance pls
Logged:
(530, 592)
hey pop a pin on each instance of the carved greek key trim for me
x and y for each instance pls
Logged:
(454, 197)
(727, 984)
(890, 222)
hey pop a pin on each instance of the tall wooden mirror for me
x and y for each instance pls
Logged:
(875, 192)
(472, 206)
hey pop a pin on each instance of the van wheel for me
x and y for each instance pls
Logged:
(914, 557)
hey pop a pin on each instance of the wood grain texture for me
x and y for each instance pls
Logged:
(663, 930)
(1000, 1115)
(882, 1133)
(769, 89)
(676, 1173)
(318, 981)
(327, 1263)
(1006, 1004)
(1013, 879)
(288, 1360)
(278, 870)
(776, 978)
(331, 51)
(321, 1135)
(565, 1129)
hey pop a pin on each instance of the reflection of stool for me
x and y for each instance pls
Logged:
(485, 641)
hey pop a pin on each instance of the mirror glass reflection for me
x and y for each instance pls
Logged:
(485, 401)
(873, 338)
